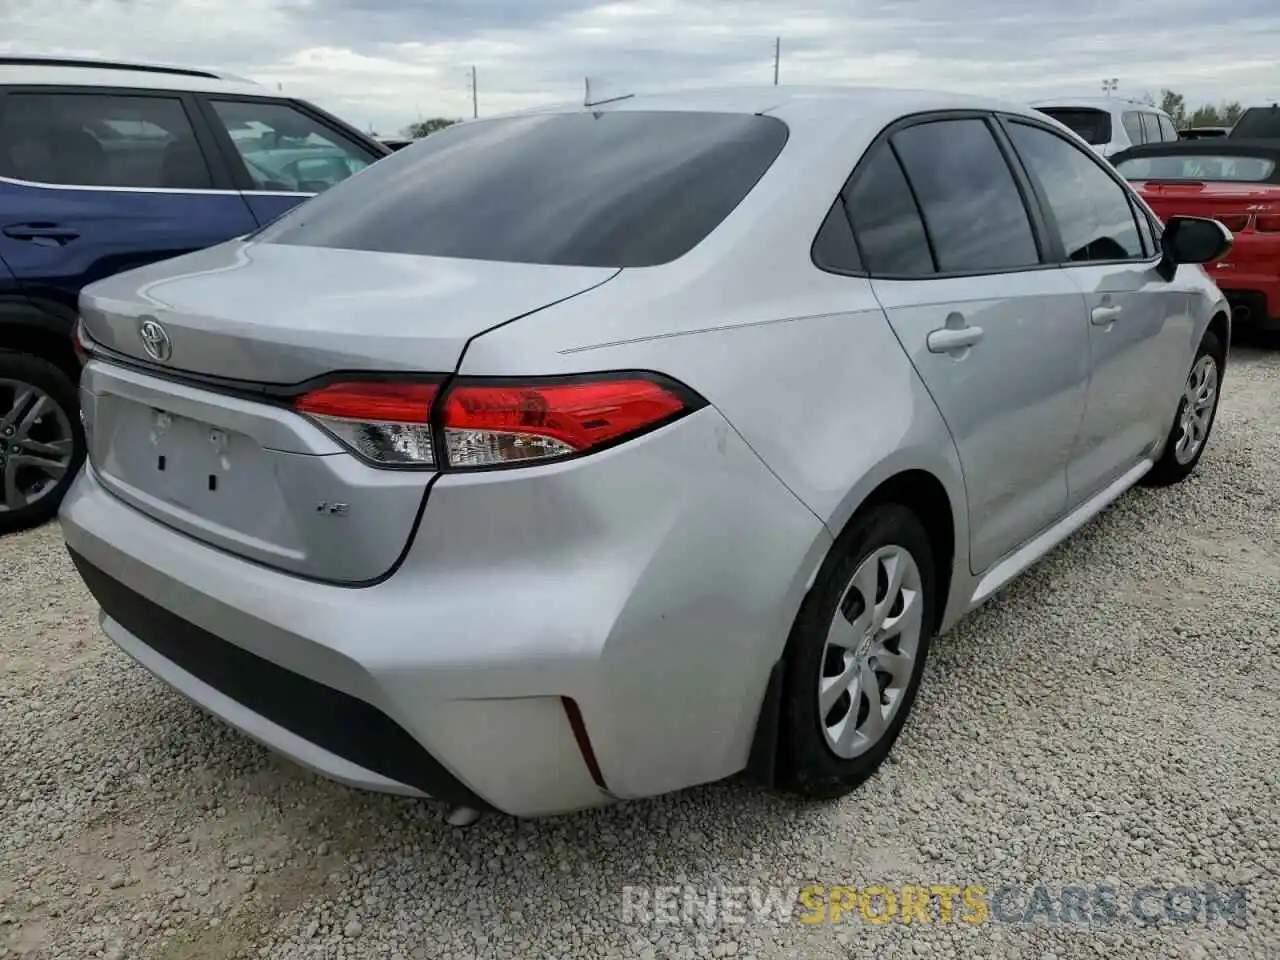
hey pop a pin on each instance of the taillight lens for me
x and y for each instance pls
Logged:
(488, 423)
(386, 423)
(1267, 223)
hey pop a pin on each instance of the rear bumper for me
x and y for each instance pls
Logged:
(653, 585)
(1259, 293)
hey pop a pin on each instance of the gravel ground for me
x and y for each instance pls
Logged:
(1112, 719)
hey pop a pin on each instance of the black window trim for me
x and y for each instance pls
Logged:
(240, 175)
(220, 175)
(1150, 258)
(1041, 235)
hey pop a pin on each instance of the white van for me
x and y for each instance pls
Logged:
(1111, 124)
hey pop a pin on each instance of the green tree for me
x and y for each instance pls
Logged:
(423, 128)
(1175, 105)
(1205, 116)
(1230, 113)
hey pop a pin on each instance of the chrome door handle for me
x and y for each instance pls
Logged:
(1101, 316)
(950, 339)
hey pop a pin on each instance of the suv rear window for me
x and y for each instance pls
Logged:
(617, 189)
(1093, 126)
(1258, 123)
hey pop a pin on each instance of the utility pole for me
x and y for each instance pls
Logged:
(1109, 85)
(777, 56)
(475, 102)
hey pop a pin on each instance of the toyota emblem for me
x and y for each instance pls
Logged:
(155, 341)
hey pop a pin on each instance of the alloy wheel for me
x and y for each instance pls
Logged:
(36, 444)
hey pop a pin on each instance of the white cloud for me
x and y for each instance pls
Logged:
(387, 62)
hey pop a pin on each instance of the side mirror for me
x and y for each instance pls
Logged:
(1193, 240)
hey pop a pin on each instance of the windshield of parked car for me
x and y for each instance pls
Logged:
(1206, 166)
(619, 189)
(1257, 123)
(1092, 126)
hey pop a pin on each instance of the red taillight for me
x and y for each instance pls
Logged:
(1267, 223)
(391, 402)
(493, 423)
(386, 423)
(1235, 222)
(490, 425)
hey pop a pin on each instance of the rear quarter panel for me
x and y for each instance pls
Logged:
(809, 374)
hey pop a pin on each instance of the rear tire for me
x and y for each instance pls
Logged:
(864, 627)
(1193, 421)
(42, 443)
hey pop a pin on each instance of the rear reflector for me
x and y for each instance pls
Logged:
(490, 423)
(80, 343)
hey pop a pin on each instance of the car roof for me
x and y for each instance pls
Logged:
(1096, 103)
(43, 70)
(795, 103)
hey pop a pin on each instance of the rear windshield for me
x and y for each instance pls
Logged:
(1206, 166)
(1257, 123)
(1093, 126)
(616, 189)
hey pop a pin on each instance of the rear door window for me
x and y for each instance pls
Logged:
(886, 219)
(973, 211)
(286, 150)
(1150, 128)
(100, 140)
(616, 188)
(1132, 121)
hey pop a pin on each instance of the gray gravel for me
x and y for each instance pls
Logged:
(1112, 719)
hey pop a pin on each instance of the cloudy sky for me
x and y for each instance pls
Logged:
(384, 63)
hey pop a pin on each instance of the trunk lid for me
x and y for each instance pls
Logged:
(249, 475)
(273, 313)
(1232, 203)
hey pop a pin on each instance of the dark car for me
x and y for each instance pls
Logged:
(106, 166)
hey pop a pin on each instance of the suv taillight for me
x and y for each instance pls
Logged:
(489, 423)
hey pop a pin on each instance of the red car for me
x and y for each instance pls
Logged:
(1236, 182)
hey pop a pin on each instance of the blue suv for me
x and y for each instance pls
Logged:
(105, 166)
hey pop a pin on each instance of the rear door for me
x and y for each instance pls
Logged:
(1140, 325)
(282, 151)
(94, 181)
(999, 339)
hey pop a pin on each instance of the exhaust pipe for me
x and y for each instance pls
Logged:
(1240, 313)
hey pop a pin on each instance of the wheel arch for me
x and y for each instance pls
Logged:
(1220, 327)
(31, 328)
(925, 495)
